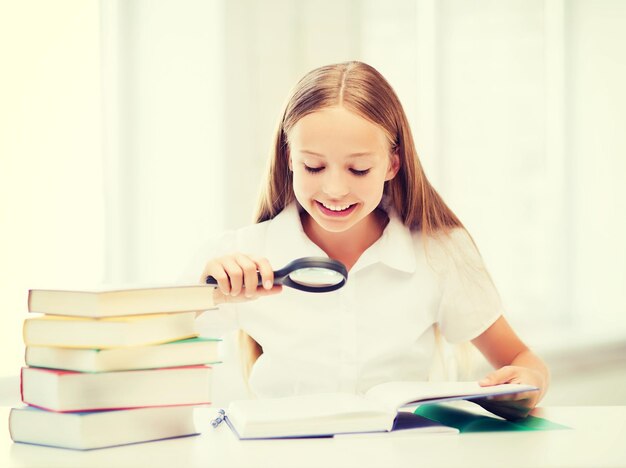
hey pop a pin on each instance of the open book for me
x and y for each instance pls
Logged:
(328, 414)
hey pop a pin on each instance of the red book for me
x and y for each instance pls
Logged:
(65, 391)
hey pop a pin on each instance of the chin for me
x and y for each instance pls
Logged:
(333, 227)
(336, 225)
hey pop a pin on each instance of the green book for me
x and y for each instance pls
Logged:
(187, 352)
(468, 421)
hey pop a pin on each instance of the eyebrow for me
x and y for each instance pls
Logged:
(351, 155)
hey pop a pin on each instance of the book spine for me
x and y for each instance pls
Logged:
(30, 295)
(22, 384)
(11, 424)
(121, 408)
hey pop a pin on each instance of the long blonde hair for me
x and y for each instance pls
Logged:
(363, 90)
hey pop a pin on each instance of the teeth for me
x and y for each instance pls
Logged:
(336, 207)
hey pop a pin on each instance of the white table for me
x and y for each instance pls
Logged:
(597, 439)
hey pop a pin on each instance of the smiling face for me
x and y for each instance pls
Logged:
(340, 162)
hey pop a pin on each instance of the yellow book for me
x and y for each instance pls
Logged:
(110, 332)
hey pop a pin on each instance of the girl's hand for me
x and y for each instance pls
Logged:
(514, 406)
(237, 280)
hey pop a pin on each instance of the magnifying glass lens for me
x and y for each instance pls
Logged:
(316, 277)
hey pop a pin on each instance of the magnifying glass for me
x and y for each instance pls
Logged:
(310, 274)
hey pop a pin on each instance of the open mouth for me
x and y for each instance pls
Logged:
(335, 210)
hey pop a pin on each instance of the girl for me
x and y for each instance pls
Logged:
(344, 181)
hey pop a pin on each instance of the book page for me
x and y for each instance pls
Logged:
(302, 407)
(394, 395)
(326, 413)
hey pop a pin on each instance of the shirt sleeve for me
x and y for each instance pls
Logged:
(470, 302)
(221, 321)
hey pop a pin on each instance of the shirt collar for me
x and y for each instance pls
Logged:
(286, 241)
(396, 244)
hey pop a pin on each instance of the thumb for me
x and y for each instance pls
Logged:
(503, 375)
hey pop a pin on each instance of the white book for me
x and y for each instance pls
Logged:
(98, 429)
(108, 301)
(339, 413)
(187, 352)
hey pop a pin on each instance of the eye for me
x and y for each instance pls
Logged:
(356, 172)
(313, 170)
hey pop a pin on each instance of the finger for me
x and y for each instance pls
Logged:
(217, 271)
(250, 277)
(266, 271)
(262, 292)
(235, 275)
(505, 374)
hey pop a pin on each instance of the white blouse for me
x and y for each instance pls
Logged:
(379, 327)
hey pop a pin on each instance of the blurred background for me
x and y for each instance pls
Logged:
(131, 131)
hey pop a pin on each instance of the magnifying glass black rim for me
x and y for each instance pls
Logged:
(281, 276)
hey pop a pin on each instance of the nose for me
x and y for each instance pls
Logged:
(335, 184)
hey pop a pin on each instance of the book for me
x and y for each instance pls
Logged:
(328, 414)
(99, 429)
(109, 332)
(188, 352)
(408, 424)
(477, 419)
(111, 302)
(64, 391)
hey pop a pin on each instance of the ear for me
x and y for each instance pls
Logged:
(289, 161)
(393, 167)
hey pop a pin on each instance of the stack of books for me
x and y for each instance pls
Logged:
(113, 367)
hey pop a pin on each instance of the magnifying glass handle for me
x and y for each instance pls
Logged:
(213, 282)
